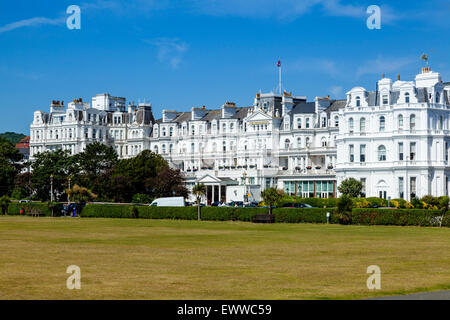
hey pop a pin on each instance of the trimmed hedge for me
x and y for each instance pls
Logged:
(369, 216)
(14, 208)
(399, 217)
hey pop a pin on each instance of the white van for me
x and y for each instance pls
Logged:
(168, 202)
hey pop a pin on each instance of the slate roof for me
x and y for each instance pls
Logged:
(336, 105)
(308, 107)
(241, 113)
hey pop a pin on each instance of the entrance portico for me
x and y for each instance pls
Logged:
(216, 188)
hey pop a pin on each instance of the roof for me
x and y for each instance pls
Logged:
(241, 113)
(212, 114)
(336, 105)
(308, 107)
(182, 117)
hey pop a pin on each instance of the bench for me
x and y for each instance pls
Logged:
(35, 213)
(264, 218)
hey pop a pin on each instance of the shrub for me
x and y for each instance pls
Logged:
(399, 217)
(361, 203)
(377, 202)
(399, 203)
(4, 203)
(134, 212)
(14, 208)
(141, 198)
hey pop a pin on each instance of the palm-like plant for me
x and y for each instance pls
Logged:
(199, 191)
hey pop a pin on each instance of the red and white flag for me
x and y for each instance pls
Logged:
(279, 63)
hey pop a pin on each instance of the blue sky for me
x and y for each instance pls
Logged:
(180, 54)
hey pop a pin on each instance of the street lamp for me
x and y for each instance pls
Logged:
(245, 186)
(68, 194)
(51, 188)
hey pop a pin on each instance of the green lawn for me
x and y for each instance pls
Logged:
(152, 259)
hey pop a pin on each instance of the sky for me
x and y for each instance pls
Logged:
(189, 53)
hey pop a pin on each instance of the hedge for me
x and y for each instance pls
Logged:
(367, 216)
(399, 217)
(14, 208)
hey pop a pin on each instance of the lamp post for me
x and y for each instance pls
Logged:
(244, 175)
(51, 188)
(68, 194)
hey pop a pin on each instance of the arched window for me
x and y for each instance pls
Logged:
(438, 97)
(163, 148)
(231, 127)
(400, 121)
(214, 147)
(324, 142)
(307, 122)
(224, 128)
(299, 123)
(351, 124)
(358, 101)
(381, 153)
(412, 122)
(171, 148)
(407, 98)
(441, 122)
(192, 147)
(336, 121)
(362, 125)
(307, 142)
(171, 131)
(164, 132)
(382, 123)
(287, 144)
(155, 148)
(299, 142)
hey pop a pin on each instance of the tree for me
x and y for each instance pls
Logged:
(23, 186)
(167, 183)
(344, 209)
(94, 161)
(351, 187)
(80, 194)
(271, 196)
(9, 166)
(199, 191)
(4, 203)
(57, 164)
(137, 170)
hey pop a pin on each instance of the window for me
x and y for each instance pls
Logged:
(438, 97)
(413, 187)
(324, 142)
(307, 122)
(299, 123)
(400, 151)
(382, 123)
(231, 127)
(362, 125)
(171, 148)
(307, 142)
(446, 151)
(407, 99)
(224, 128)
(385, 99)
(441, 122)
(287, 144)
(350, 125)
(358, 101)
(193, 130)
(362, 153)
(299, 142)
(363, 190)
(324, 122)
(381, 153)
(401, 188)
(412, 151)
(224, 146)
(400, 121)
(163, 148)
(352, 153)
(163, 133)
(171, 131)
(192, 147)
(336, 121)
(412, 122)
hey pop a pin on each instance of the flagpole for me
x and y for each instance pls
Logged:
(280, 84)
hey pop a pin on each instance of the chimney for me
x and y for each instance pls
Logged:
(398, 77)
(382, 76)
(426, 70)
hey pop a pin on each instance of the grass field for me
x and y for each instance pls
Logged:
(151, 259)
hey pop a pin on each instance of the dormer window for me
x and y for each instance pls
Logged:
(358, 101)
(438, 97)
(385, 100)
(407, 98)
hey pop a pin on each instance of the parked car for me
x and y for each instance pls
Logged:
(24, 201)
(251, 205)
(236, 204)
(297, 205)
(168, 202)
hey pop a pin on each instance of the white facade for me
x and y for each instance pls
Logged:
(395, 139)
(107, 121)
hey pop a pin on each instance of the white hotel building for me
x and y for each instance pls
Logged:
(393, 139)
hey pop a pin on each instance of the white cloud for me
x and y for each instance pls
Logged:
(170, 50)
(33, 22)
(384, 65)
(336, 91)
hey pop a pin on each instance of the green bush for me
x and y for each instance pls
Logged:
(379, 202)
(14, 208)
(398, 217)
(296, 215)
(315, 202)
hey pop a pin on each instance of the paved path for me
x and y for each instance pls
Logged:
(436, 295)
